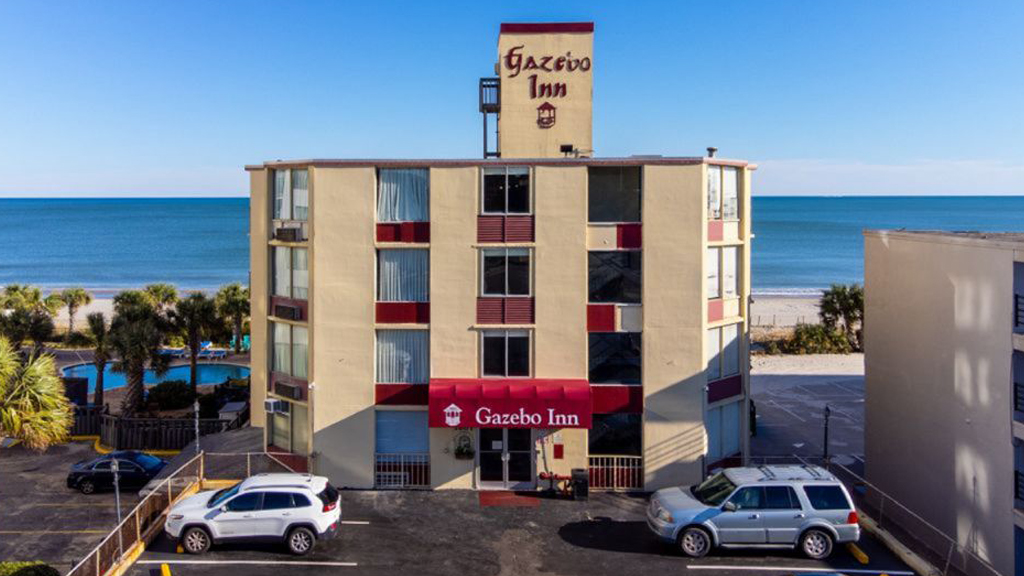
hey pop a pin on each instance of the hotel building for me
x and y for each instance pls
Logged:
(475, 323)
(944, 368)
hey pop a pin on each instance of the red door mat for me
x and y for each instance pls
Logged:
(507, 499)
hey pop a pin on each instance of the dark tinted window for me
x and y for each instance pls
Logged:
(827, 498)
(614, 194)
(494, 191)
(146, 461)
(780, 498)
(506, 355)
(494, 355)
(518, 355)
(245, 502)
(328, 495)
(102, 465)
(615, 277)
(126, 466)
(277, 500)
(494, 273)
(518, 274)
(507, 191)
(615, 358)
(300, 501)
(616, 435)
(519, 192)
(748, 498)
(507, 273)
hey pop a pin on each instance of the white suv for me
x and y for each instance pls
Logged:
(295, 508)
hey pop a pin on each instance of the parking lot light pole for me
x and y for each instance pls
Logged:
(828, 412)
(195, 407)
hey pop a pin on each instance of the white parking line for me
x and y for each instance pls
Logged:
(250, 562)
(356, 522)
(787, 411)
(792, 569)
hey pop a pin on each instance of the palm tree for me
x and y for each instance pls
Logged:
(136, 334)
(195, 317)
(33, 407)
(101, 352)
(17, 296)
(233, 303)
(40, 330)
(161, 295)
(843, 304)
(74, 298)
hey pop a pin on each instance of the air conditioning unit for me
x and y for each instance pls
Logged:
(288, 234)
(272, 405)
(288, 391)
(288, 312)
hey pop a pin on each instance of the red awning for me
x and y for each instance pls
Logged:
(509, 403)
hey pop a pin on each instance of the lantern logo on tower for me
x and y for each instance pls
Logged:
(452, 415)
(546, 115)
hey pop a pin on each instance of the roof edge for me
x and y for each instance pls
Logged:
(546, 27)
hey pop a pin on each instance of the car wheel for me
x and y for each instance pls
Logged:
(695, 542)
(86, 487)
(195, 540)
(816, 544)
(300, 541)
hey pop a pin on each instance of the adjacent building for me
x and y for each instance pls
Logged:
(944, 414)
(474, 323)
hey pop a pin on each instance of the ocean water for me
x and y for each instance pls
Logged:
(802, 244)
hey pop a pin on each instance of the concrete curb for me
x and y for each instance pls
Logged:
(916, 563)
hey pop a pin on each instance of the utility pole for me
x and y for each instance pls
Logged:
(828, 412)
(195, 407)
(117, 502)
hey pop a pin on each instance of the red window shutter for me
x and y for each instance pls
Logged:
(629, 236)
(519, 311)
(600, 318)
(489, 310)
(519, 229)
(727, 388)
(490, 229)
(389, 232)
(420, 232)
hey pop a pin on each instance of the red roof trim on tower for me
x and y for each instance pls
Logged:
(546, 27)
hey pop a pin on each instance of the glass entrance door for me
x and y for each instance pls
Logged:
(506, 459)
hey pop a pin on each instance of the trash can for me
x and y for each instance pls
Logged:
(580, 484)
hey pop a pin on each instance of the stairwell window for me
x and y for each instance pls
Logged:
(615, 357)
(403, 275)
(613, 194)
(291, 194)
(291, 272)
(403, 195)
(505, 272)
(723, 193)
(505, 353)
(290, 347)
(506, 191)
(615, 277)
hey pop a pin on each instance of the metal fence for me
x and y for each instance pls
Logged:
(616, 472)
(156, 433)
(405, 470)
(239, 465)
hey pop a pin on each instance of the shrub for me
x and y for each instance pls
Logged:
(176, 341)
(171, 395)
(27, 569)
(816, 339)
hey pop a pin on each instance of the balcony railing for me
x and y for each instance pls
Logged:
(1018, 487)
(616, 472)
(403, 470)
(1018, 396)
(1018, 320)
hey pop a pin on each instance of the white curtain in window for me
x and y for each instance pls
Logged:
(282, 196)
(300, 345)
(403, 356)
(282, 272)
(282, 348)
(404, 195)
(730, 262)
(730, 350)
(300, 194)
(403, 275)
(730, 190)
(714, 284)
(713, 351)
(714, 192)
(300, 273)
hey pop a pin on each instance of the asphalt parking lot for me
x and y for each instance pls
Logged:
(451, 533)
(40, 518)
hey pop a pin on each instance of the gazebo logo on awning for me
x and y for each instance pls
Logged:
(452, 415)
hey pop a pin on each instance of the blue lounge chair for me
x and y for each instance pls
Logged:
(246, 343)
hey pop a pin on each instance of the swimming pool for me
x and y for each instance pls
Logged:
(206, 374)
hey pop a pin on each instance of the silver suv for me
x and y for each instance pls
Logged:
(766, 507)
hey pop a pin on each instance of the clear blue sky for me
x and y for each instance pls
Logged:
(174, 98)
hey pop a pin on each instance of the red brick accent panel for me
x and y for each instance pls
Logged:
(501, 310)
(404, 232)
(401, 394)
(403, 312)
(629, 236)
(611, 399)
(715, 231)
(504, 229)
(725, 388)
(716, 310)
(600, 317)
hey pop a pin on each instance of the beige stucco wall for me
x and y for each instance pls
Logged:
(259, 261)
(938, 385)
(342, 324)
(519, 135)
(673, 337)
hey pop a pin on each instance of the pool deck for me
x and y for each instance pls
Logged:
(65, 358)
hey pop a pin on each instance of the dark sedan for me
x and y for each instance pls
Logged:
(135, 470)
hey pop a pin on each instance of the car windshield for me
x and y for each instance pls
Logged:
(146, 461)
(223, 494)
(714, 490)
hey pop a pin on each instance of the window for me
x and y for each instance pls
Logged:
(245, 502)
(290, 349)
(614, 357)
(401, 432)
(722, 425)
(723, 193)
(723, 351)
(403, 275)
(714, 279)
(403, 356)
(276, 500)
(506, 272)
(126, 466)
(730, 280)
(615, 277)
(615, 435)
(506, 353)
(506, 191)
(613, 194)
(781, 498)
(403, 195)
(291, 272)
(300, 501)
(748, 498)
(289, 428)
(291, 194)
(827, 498)
(102, 466)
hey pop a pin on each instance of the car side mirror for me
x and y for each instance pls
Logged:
(729, 507)
(224, 508)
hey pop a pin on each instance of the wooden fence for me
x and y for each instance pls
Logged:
(87, 420)
(156, 433)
